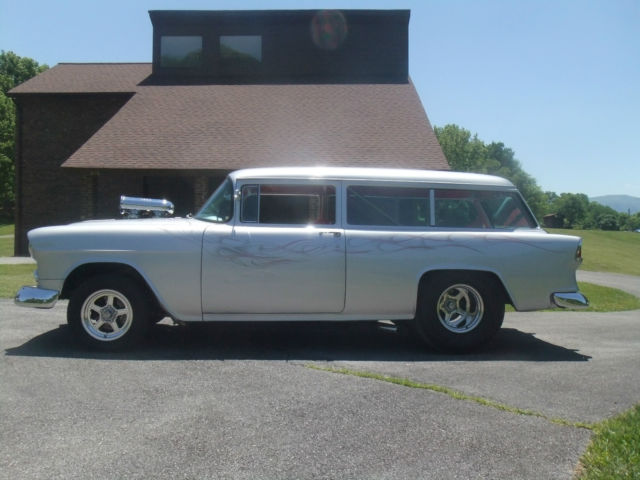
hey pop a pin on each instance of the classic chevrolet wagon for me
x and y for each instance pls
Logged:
(441, 251)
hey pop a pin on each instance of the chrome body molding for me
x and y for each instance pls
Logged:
(572, 300)
(36, 297)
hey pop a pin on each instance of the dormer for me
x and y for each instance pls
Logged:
(290, 46)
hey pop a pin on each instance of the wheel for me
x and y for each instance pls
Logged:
(108, 312)
(458, 311)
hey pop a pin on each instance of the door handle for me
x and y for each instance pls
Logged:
(334, 234)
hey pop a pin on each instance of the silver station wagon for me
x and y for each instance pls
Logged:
(441, 251)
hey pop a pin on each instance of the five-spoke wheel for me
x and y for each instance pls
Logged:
(108, 312)
(458, 311)
(460, 308)
(106, 315)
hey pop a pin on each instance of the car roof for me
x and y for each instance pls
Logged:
(374, 174)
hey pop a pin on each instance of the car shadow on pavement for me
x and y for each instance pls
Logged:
(356, 341)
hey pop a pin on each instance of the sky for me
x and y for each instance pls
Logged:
(557, 81)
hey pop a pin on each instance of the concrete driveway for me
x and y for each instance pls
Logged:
(241, 401)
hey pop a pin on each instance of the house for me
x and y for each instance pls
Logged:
(225, 90)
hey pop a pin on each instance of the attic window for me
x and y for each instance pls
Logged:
(181, 51)
(241, 53)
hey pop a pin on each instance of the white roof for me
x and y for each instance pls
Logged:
(388, 174)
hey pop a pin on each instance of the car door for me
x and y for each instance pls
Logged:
(284, 254)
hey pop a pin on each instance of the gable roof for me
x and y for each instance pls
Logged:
(226, 127)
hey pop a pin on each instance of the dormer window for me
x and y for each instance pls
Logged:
(240, 54)
(246, 48)
(181, 51)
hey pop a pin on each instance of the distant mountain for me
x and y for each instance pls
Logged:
(620, 203)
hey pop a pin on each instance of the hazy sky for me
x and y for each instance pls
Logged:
(556, 81)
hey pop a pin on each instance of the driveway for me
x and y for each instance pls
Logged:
(241, 401)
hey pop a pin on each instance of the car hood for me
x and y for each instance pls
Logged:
(101, 234)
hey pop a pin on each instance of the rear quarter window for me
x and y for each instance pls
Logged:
(481, 209)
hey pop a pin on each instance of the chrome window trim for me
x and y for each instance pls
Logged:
(432, 207)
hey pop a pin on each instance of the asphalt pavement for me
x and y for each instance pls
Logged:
(241, 401)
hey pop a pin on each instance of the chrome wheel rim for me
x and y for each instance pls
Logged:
(106, 315)
(460, 308)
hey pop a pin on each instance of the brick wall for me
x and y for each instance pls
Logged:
(50, 129)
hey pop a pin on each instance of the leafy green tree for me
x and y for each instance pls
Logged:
(629, 222)
(608, 222)
(466, 153)
(601, 217)
(572, 208)
(13, 71)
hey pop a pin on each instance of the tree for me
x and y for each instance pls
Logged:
(600, 216)
(608, 222)
(572, 208)
(630, 222)
(464, 153)
(13, 71)
(470, 154)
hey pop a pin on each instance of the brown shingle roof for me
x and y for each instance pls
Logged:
(236, 126)
(87, 78)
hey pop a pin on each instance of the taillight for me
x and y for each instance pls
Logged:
(579, 252)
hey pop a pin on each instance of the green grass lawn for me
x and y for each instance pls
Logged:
(614, 451)
(12, 277)
(6, 244)
(6, 247)
(606, 299)
(615, 252)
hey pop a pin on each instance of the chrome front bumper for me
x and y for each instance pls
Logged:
(573, 300)
(36, 297)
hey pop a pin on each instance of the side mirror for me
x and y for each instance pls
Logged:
(136, 207)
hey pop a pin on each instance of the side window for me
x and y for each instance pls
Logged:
(384, 206)
(289, 204)
(459, 209)
(507, 210)
(480, 209)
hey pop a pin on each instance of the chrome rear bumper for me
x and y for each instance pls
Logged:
(573, 300)
(36, 297)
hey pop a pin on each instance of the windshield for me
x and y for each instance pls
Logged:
(219, 207)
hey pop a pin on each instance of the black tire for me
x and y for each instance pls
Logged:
(458, 311)
(108, 312)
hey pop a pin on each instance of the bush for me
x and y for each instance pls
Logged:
(608, 222)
